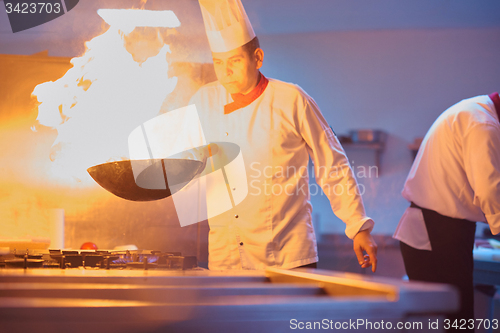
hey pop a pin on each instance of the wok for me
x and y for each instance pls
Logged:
(157, 179)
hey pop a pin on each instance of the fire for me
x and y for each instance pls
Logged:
(126, 19)
(120, 82)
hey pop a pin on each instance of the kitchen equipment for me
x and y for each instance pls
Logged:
(25, 243)
(118, 177)
(88, 246)
(23, 263)
(277, 300)
(55, 219)
(367, 135)
(30, 256)
(99, 259)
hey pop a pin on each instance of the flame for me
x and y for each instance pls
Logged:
(120, 82)
(128, 19)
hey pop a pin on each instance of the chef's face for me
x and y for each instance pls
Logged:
(238, 70)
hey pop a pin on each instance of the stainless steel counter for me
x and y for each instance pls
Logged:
(79, 300)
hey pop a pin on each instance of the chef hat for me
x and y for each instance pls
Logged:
(226, 23)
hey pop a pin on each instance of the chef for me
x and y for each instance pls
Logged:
(277, 127)
(454, 182)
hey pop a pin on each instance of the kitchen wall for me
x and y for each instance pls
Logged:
(398, 81)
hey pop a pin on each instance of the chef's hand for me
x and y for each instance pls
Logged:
(363, 241)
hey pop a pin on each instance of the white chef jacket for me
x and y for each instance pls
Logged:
(277, 133)
(456, 171)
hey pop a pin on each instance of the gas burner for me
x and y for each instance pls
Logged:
(22, 260)
(98, 259)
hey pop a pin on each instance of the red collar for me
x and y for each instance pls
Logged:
(240, 100)
(496, 101)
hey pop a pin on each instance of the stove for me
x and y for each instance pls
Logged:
(97, 259)
(198, 300)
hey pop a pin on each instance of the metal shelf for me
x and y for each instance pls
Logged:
(377, 147)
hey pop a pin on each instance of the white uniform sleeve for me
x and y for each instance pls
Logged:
(481, 147)
(332, 170)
